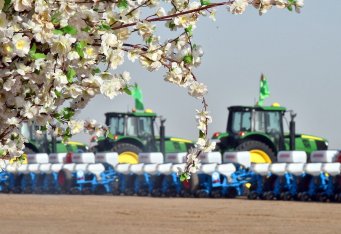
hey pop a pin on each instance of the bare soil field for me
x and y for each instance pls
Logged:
(108, 214)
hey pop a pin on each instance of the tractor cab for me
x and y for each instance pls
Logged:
(135, 126)
(46, 143)
(134, 132)
(262, 121)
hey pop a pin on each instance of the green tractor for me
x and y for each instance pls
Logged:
(133, 132)
(47, 143)
(259, 129)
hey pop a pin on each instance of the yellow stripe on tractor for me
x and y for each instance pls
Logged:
(74, 143)
(312, 138)
(180, 140)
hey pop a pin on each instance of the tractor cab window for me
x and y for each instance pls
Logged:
(139, 126)
(241, 121)
(268, 122)
(131, 126)
(116, 125)
(145, 127)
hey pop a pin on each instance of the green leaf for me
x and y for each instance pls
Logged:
(172, 25)
(189, 30)
(56, 17)
(58, 94)
(69, 30)
(110, 135)
(70, 74)
(188, 59)
(149, 40)
(104, 27)
(43, 128)
(67, 134)
(7, 4)
(67, 113)
(201, 134)
(96, 71)
(289, 7)
(58, 32)
(122, 4)
(80, 48)
(183, 177)
(205, 2)
(36, 56)
(127, 90)
(33, 49)
(86, 29)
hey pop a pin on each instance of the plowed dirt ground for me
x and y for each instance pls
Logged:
(108, 214)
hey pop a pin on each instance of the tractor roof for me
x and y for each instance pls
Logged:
(137, 114)
(257, 108)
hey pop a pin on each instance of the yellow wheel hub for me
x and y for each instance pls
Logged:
(259, 156)
(128, 157)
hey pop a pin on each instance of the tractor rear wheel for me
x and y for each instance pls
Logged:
(127, 152)
(260, 152)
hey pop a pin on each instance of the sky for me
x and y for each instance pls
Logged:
(300, 54)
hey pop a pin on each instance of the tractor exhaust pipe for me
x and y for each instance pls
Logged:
(162, 136)
(292, 127)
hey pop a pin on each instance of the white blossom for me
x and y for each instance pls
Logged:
(22, 5)
(197, 90)
(76, 126)
(13, 121)
(3, 20)
(280, 4)
(205, 145)
(108, 40)
(193, 161)
(2, 3)
(110, 88)
(161, 12)
(21, 44)
(62, 44)
(9, 84)
(238, 6)
(30, 110)
(115, 58)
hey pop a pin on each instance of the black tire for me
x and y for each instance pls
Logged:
(121, 147)
(257, 145)
(40, 184)
(27, 179)
(116, 187)
(231, 193)
(100, 190)
(252, 195)
(17, 183)
(64, 180)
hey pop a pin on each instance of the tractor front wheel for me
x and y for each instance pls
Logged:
(127, 153)
(260, 152)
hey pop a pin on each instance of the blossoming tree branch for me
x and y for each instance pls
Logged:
(51, 51)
